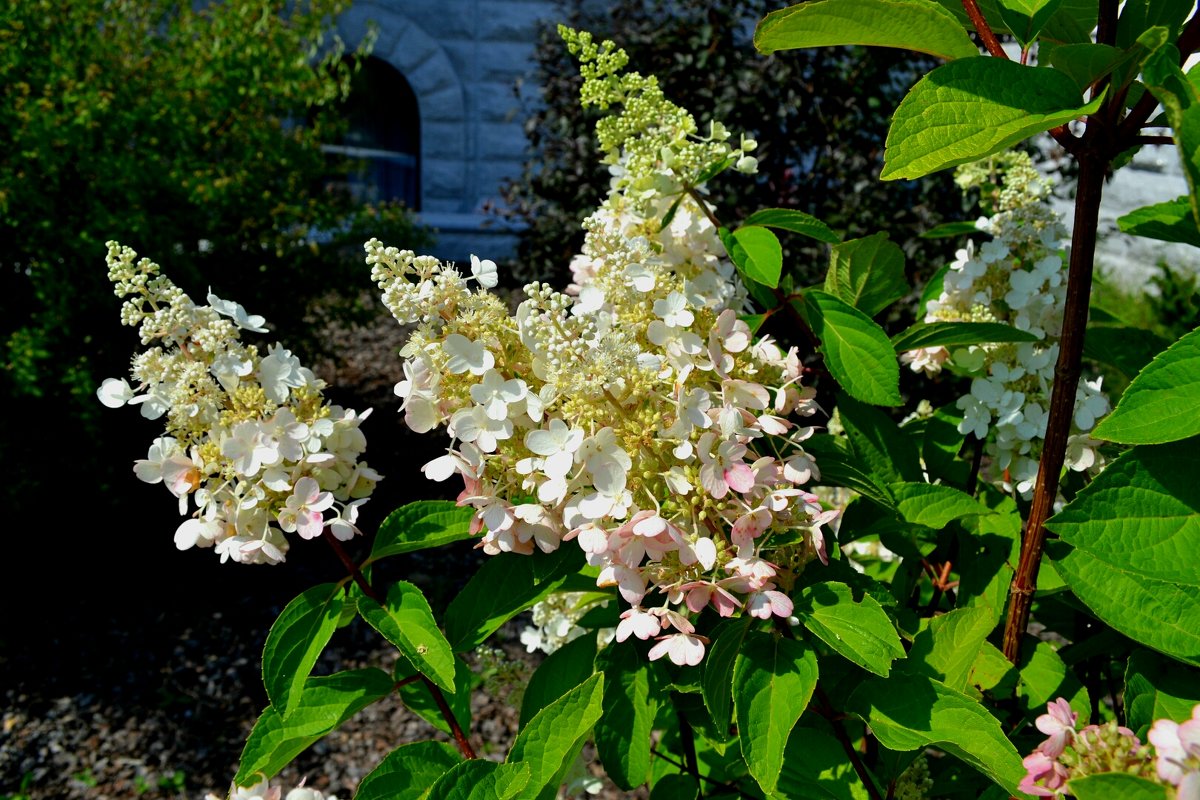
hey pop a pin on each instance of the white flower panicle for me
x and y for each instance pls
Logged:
(635, 416)
(250, 443)
(1016, 278)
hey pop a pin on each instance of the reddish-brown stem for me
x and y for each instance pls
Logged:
(826, 710)
(460, 738)
(985, 31)
(1092, 165)
(351, 567)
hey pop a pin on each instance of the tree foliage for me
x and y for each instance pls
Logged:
(191, 131)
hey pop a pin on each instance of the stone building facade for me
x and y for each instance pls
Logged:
(461, 59)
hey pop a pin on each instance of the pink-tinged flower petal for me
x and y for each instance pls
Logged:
(639, 623)
(713, 481)
(682, 648)
(1164, 735)
(706, 552)
(739, 476)
(749, 527)
(1059, 725)
(765, 603)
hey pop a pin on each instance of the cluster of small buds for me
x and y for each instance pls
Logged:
(1015, 278)
(555, 621)
(502, 676)
(636, 416)
(264, 791)
(914, 783)
(1070, 754)
(250, 441)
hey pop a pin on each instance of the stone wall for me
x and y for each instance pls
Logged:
(463, 59)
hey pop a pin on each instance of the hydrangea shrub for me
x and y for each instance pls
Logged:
(753, 572)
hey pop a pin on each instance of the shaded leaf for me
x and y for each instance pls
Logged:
(1171, 221)
(622, 732)
(888, 452)
(716, 677)
(1158, 688)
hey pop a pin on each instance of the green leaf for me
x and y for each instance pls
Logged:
(909, 712)
(946, 646)
(420, 525)
(1141, 514)
(951, 230)
(481, 779)
(856, 349)
(675, 786)
(548, 743)
(1161, 615)
(716, 676)
(1086, 63)
(953, 334)
(940, 445)
(1043, 677)
(503, 587)
(1126, 348)
(878, 443)
(773, 680)
(860, 631)
(968, 109)
(296, 641)
(1138, 16)
(418, 698)
(324, 704)
(1161, 403)
(764, 254)
(622, 732)
(1026, 18)
(1156, 688)
(867, 273)
(785, 219)
(407, 772)
(840, 467)
(906, 24)
(987, 556)
(815, 767)
(406, 620)
(934, 506)
(1108, 785)
(563, 670)
(1171, 221)
(1181, 103)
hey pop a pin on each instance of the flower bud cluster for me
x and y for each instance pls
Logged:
(635, 416)
(1069, 753)
(250, 442)
(1016, 278)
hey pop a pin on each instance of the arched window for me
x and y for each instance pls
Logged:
(383, 136)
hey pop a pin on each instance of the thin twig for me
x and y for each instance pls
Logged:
(826, 710)
(696, 774)
(687, 742)
(985, 31)
(351, 567)
(1144, 139)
